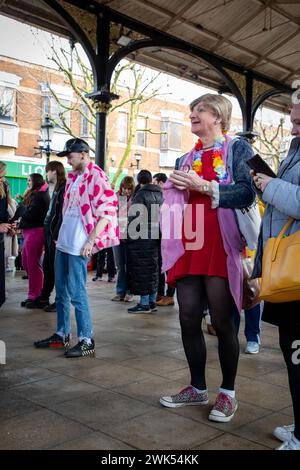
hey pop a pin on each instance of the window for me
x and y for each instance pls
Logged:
(123, 127)
(58, 112)
(7, 103)
(87, 127)
(141, 133)
(170, 135)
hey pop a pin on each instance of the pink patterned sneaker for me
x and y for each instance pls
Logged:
(224, 408)
(187, 396)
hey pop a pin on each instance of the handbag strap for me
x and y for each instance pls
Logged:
(280, 236)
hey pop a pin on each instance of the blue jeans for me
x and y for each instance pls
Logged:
(120, 260)
(70, 286)
(147, 299)
(252, 323)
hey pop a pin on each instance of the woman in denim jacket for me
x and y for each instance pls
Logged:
(282, 198)
(214, 178)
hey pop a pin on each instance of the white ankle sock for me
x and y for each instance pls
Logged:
(230, 393)
(87, 340)
(198, 389)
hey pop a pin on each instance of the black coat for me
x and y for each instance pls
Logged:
(35, 213)
(53, 218)
(142, 252)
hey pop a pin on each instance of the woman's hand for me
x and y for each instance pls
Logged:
(182, 180)
(260, 180)
(87, 249)
(4, 228)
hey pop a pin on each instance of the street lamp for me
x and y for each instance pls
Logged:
(138, 157)
(47, 131)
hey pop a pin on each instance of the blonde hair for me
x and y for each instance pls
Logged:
(2, 191)
(220, 106)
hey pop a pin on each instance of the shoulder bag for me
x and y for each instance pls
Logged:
(280, 280)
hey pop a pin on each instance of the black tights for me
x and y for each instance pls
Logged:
(193, 293)
(289, 333)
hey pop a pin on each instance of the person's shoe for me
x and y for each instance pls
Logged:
(139, 309)
(159, 297)
(291, 444)
(111, 279)
(96, 278)
(223, 409)
(210, 329)
(25, 276)
(187, 396)
(50, 307)
(118, 298)
(165, 301)
(54, 342)
(82, 349)
(25, 302)
(128, 298)
(252, 347)
(152, 306)
(284, 433)
(37, 303)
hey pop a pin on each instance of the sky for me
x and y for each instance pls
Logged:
(23, 42)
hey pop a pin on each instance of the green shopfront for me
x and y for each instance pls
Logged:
(17, 174)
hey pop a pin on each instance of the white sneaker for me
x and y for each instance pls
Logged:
(284, 433)
(292, 444)
(252, 347)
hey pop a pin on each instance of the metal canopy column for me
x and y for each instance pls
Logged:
(102, 96)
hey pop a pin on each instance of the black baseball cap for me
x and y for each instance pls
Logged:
(74, 145)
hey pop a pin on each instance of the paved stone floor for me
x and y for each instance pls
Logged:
(111, 402)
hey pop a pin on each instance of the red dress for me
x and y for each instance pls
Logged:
(210, 260)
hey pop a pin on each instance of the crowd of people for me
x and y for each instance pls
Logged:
(201, 262)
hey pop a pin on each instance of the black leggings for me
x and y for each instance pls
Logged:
(289, 340)
(193, 293)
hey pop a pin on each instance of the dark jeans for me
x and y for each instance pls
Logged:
(48, 269)
(2, 274)
(120, 255)
(252, 323)
(101, 258)
(162, 280)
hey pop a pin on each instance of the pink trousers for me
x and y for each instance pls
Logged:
(32, 259)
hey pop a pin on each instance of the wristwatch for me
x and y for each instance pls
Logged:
(205, 188)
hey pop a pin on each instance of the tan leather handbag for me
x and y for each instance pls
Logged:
(280, 281)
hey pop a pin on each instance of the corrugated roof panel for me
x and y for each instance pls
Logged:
(193, 36)
(231, 52)
(272, 71)
(259, 38)
(222, 19)
(287, 51)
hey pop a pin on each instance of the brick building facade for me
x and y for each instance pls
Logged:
(25, 99)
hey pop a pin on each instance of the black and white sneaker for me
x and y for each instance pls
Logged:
(54, 342)
(82, 349)
(153, 307)
(139, 308)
